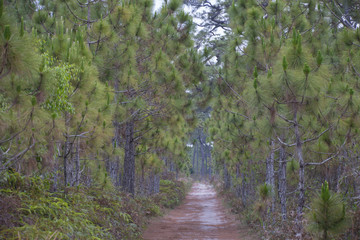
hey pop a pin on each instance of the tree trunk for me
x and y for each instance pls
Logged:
(243, 189)
(270, 175)
(206, 162)
(142, 184)
(343, 158)
(227, 180)
(156, 183)
(116, 142)
(210, 161)
(128, 181)
(202, 158)
(194, 156)
(301, 187)
(67, 154)
(197, 160)
(238, 186)
(282, 181)
(77, 163)
(66, 162)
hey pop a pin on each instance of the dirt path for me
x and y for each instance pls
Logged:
(201, 216)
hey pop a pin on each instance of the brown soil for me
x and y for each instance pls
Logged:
(201, 216)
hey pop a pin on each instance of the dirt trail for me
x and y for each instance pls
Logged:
(201, 216)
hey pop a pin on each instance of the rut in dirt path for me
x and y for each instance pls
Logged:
(201, 216)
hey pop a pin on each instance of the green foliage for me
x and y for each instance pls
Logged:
(84, 213)
(19, 55)
(22, 27)
(306, 69)
(327, 216)
(319, 58)
(265, 191)
(63, 74)
(292, 166)
(284, 64)
(1, 7)
(7, 33)
(171, 193)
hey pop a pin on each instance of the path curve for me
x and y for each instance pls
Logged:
(200, 217)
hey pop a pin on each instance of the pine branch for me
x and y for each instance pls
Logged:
(323, 162)
(317, 137)
(285, 119)
(286, 144)
(336, 154)
(19, 155)
(77, 135)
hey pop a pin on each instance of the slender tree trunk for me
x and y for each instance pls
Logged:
(55, 171)
(301, 187)
(66, 157)
(197, 159)
(270, 175)
(226, 177)
(117, 140)
(343, 158)
(128, 181)
(243, 189)
(142, 184)
(194, 156)
(206, 162)
(150, 184)
(112, 167)
(238, 186)
(202, 158)
(77, 163)
(157, 183)
(282, 181)
(210, 161)
(66, 153)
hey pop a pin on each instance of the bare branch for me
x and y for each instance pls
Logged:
(285, 119)
(317, 137)
(323, 162)
(286, 144)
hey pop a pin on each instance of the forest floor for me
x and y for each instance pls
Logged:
(202, 216)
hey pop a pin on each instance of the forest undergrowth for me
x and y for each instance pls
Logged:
(29, 209)
(258, 216)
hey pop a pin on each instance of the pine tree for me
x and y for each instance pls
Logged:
(327, 215)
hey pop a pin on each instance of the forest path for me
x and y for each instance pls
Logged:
(201, 217)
